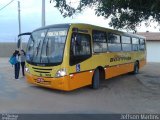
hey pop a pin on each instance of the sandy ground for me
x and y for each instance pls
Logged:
(123, 94)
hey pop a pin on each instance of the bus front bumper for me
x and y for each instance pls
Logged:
(53, 83)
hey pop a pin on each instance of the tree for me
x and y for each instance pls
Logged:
(124, 14)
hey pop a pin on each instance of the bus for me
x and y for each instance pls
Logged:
(70, 56)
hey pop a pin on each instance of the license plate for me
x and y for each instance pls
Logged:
(39, 80)
(42, 81)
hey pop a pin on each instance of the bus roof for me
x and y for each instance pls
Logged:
(67, 25)
(55, 26)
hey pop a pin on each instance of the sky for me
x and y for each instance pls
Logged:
(31, 18)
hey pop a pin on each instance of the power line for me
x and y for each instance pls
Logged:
(6, 5)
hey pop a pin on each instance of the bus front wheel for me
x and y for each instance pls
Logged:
(96, 79)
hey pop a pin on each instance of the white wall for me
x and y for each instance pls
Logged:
(7, 49)
(153, 51)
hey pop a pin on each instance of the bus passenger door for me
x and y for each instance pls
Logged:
(80, 60)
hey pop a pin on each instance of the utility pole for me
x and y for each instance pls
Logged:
(43, 13)
(19, 44)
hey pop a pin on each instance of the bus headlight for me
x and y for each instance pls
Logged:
(27, 69)
(62, 72)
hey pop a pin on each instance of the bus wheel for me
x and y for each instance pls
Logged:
(136, 68)
(96, 79)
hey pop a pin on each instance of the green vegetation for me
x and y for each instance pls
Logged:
(126, 14)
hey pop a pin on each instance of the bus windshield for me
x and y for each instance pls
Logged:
(46, 46)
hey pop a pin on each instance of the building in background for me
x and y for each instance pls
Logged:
(153, 45)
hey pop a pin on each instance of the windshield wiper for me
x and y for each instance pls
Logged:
(33, 46)
(37, 50)
(47, 47)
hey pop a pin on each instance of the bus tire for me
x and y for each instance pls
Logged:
(136, 68)
(96, 79)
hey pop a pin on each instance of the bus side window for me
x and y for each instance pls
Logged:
(135, 44)
(99, 41)
(126, 43)
(114, 43)
(80, 49)
(142, 45)
(73, 45)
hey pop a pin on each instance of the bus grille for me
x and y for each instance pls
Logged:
(42, 70)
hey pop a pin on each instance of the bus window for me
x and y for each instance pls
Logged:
(80, 48)
(142, 45)
(126, 43)
(99, 41)
(47, 47)
(34, 46)
(135, 44)
(114, 44)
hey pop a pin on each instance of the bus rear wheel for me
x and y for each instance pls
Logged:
(96, 79)
(136, 68)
